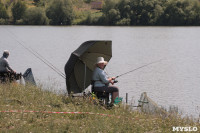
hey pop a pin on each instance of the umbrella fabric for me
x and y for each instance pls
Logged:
(81, 64)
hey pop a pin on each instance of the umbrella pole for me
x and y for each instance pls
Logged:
(84, 77)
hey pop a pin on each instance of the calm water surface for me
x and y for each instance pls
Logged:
(173, 81)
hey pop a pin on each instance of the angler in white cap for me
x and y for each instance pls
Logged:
(4, 64)
(101, 80)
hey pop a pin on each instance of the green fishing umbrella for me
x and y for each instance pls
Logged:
(81, 64)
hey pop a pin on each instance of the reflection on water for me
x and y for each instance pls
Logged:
(173, 81)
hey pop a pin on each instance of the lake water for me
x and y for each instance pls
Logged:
(173, 81)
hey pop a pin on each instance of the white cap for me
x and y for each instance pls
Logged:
(101, 60)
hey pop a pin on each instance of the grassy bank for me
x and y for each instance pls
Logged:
(17, 97)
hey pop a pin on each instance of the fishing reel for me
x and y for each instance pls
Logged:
(115, 81)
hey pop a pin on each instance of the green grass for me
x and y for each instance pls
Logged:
(17, 97)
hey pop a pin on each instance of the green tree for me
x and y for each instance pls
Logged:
(132, 12)
(3, 12)
(195, 13)
(124, 8)
(125, 12)
(35, 16)
(111, 13)
(60, 12)
(178, 12)
(146, 12)
(18, 10)
(124, 21)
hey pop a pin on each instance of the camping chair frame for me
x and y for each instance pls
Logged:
(103, 97)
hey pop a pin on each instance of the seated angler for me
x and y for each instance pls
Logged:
(4, 64)
(101, 80)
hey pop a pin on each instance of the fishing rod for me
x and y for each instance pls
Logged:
(49, 63)
(37, 55)
(138, 68)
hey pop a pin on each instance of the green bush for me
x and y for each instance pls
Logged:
(151, 12)
(124, 21)
(35, 16)
(18, 10)
(3, 21)
(181, 12)
(91, 19)
(60, 12)
(3, 12)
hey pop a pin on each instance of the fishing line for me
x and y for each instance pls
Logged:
(37, 55)
(138, 68)
(48, 62)
(40, 57)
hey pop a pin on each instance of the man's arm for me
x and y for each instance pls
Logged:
(8, 67)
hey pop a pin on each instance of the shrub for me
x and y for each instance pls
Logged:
(60, 12)
(3, 12)
(35, 16)
(91, 19)
(124, 21)
(18, 10)
(3, 21)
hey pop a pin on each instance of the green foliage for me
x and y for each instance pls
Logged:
(36, 1)
(3, 21)
(35, 16)
(132, 12)
(91, 19)
(114, 12)
(18, 10)
(146, 12)
(111, 13)
(3, 12)
(88, 1)
(124, 21)
(151, 12)
(181, 13)
(60, 12)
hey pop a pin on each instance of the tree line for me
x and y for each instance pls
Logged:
(57, 12)
(114, 12)
(151, 12)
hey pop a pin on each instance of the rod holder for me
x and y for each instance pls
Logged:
(126, 98)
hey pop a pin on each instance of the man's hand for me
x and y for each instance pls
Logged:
(14, 71)
(113, 78)
(112, 82)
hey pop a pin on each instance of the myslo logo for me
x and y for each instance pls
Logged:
(185, 129)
